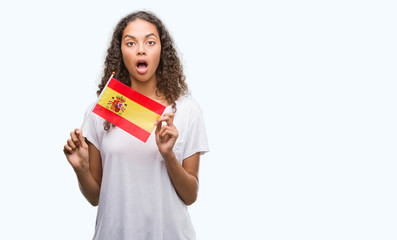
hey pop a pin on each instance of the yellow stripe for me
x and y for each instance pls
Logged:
(135, 113)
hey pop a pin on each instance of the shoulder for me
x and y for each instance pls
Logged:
(188, 112)
(188, 104)
(92, 125)
(90, 116)
(191, 127)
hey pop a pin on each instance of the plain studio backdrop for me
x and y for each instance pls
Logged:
(299, 99)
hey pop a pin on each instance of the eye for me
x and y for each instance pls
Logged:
(151, 42)
(129, 44)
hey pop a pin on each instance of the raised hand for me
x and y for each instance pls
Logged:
(167, 134)
(76, 151)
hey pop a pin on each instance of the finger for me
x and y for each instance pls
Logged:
(67, 149)
(80, 136)
(71, 144)
(74, 138)
(167, 130)
(162, 119)
(158, 127)
(170, 133)
(162, 130)
(171, 116)
(167, 119)
(170, 120)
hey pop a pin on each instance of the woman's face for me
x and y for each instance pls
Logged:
(141, 50)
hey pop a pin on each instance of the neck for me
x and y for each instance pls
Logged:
(149, 89)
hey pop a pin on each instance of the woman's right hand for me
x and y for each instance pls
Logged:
(76, 151)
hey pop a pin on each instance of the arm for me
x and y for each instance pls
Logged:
(184, 177)
(85, 159)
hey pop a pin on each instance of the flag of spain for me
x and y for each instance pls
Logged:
(128, 109)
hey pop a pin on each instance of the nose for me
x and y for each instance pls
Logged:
(141, 51)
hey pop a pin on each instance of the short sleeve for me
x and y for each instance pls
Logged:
(90, 127)
(196, 140)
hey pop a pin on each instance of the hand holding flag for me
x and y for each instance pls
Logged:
(167, 134)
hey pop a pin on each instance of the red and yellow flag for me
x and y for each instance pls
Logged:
(128, 109)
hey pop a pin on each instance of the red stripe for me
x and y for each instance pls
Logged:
(136, 96)
(122, 123)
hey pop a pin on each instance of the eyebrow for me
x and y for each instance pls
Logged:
(148, 35)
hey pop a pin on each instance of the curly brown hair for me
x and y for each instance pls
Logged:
(170, 77)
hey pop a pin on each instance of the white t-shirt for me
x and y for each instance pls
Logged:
(137, 199)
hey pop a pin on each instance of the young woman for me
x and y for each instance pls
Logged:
(142, 189)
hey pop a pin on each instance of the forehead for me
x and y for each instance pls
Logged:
(140, 28)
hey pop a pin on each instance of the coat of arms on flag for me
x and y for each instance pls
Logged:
(117, 104)
(128, 109)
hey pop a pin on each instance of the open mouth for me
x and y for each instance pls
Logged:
(141, 66)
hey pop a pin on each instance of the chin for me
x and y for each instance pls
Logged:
(142, 78)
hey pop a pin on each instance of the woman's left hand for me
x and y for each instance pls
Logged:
(167, 134)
